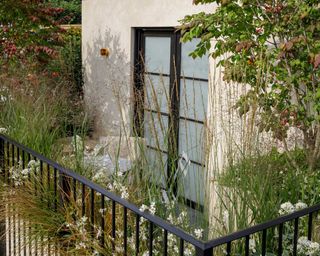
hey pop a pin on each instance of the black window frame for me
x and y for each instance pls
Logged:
(175, 85)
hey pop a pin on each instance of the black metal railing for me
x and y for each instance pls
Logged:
(68, 185)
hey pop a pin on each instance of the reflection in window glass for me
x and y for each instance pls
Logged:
(191, 140)
(157, 93)
(193, 99)
(157, 54)
(192, 183)
(157, 164)
(156, 130)
(190, 67)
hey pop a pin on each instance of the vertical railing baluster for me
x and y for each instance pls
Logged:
(14, 210)
(92, 211)
(41, 177)
(74, 187)
(181, 247)
(113, 229)
(229, 249)
(280, 239)
(55, 173)
(35, 177)
(8, 162)
(29, 227)
(12, 155)
(23, 226)
(9, 206)
(264, 242)
(295, 236)
(203, 252)
(137, 245)
(150, 239)
(35, 181)
(29, 159)
(247, 246)
(83, 200)
(2, 223)
(165, 242)
(49, 185)
(18, 215)
(125, 230)
(102, 224)
(310, 218)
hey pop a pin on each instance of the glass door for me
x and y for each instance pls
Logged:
(175, 91)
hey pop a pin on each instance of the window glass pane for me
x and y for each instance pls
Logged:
(193, 99)
(157, 93)
(157, 165)
(191, 182)
(198, 67)
(191, 140)
(156, 130)
(157, 54)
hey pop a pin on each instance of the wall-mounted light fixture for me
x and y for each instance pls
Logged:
(105, 52)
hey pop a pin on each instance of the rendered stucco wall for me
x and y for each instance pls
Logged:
(108, 87)
(108, 24)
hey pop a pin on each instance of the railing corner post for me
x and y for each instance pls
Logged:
(204, 252)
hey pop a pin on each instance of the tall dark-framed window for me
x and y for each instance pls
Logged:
(171, 92)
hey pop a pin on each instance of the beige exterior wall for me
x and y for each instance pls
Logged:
(108, 24)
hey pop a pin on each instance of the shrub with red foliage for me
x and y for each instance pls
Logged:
(29, 28)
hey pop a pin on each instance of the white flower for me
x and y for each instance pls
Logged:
(100, 176)
(152, 208)
(170, 218)
(102, 211)
(3, 130)
(34, 165)
(188, 252)
(84, 219)
(300, 205)
(307, 247)
(119, 174)
(95, 253)
(25, 172)
(286, 208)
(81, 245)
(198, 233)
(143, 208)
(110, 187)
(124, 193)
(252, 245)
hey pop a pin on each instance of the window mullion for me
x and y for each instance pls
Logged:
(173, 140)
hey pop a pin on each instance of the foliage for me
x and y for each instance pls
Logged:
(29, 29)
(270, 179)
(38, 108)
(71, 56)
(273, 46)
(71, 9)
(253, 190)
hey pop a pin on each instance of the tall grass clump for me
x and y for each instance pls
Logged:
(42, 102)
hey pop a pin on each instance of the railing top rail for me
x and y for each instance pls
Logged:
(260, 227)
(161, 222)
(152, 218)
